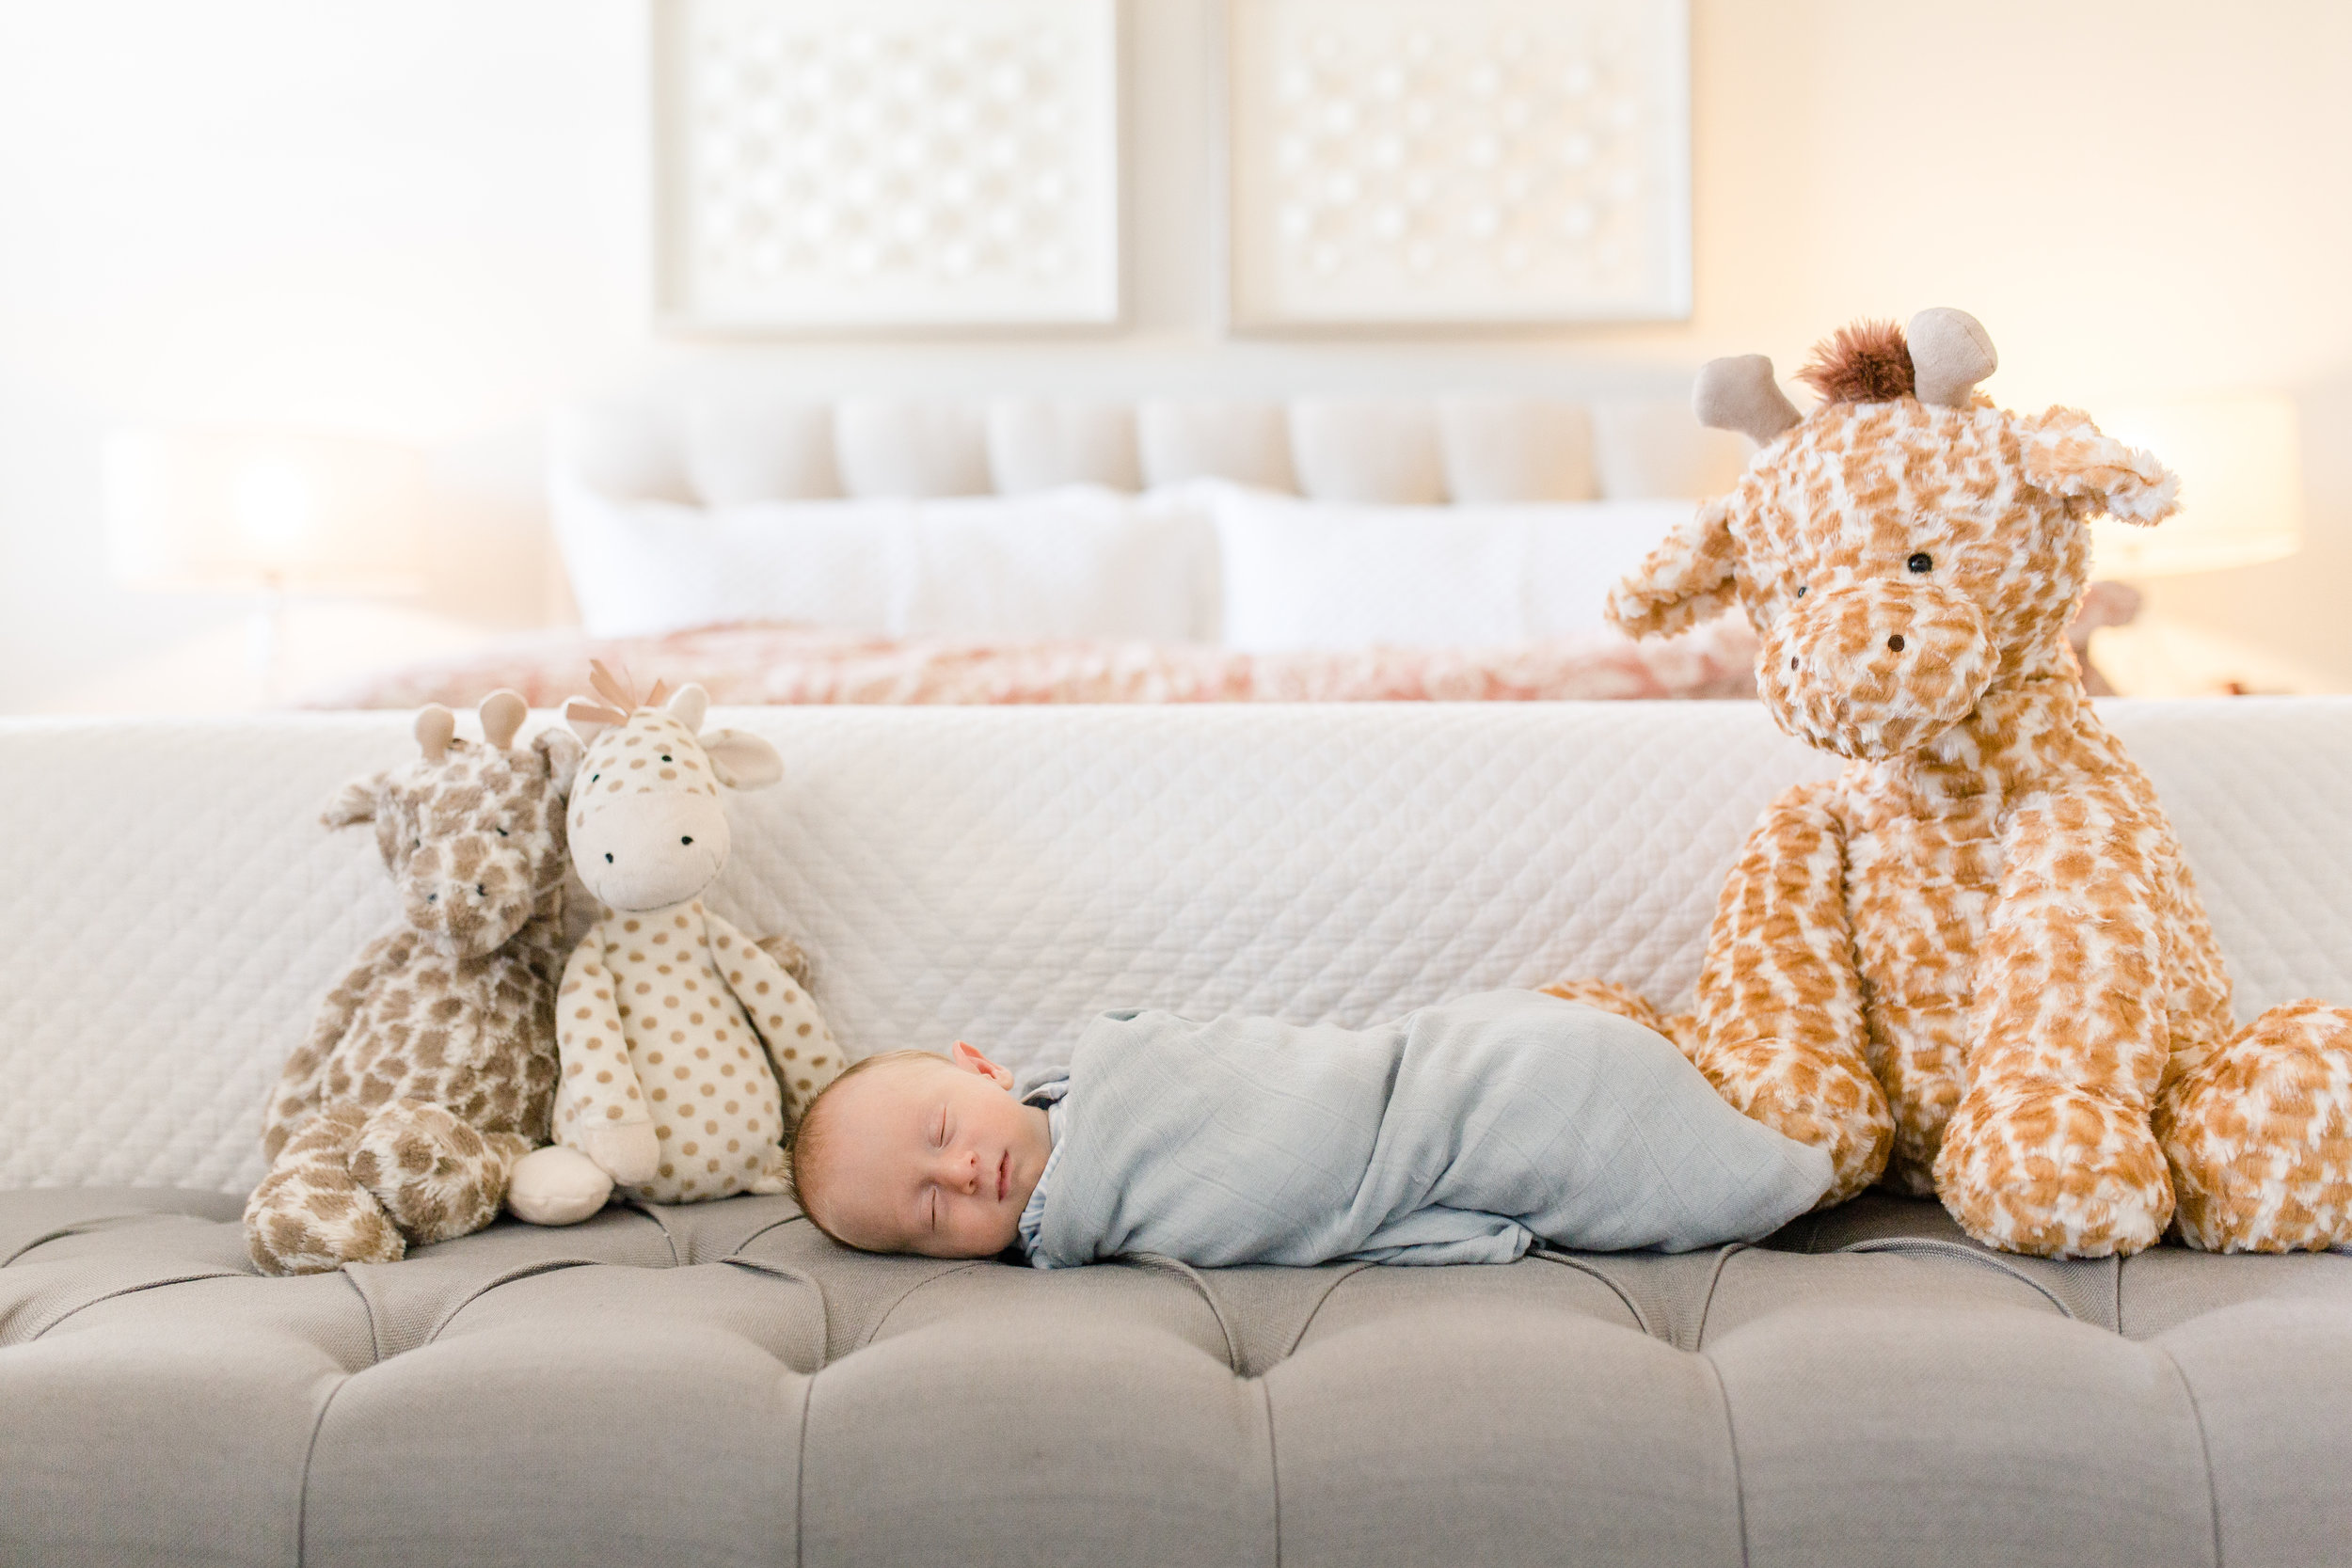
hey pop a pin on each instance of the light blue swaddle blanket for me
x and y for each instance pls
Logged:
(1460, 1133)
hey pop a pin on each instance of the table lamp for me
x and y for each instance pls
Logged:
(264, 512)
(2241, 468)
(2240, 462)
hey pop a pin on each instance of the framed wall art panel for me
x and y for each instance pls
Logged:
(1453, 162)
(831, 165)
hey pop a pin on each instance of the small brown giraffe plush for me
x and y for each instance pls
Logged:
(688, 1049)
(1973, 963)
(431, 1068)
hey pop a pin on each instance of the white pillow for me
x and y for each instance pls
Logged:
(1079, 561)
(1302, 575)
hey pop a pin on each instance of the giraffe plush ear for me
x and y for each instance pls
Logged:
(743, 761)
(562, 751)
(2067, 455)
(1685, 580)
(354, 804)
(689, 706)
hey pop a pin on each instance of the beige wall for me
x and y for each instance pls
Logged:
(428, 221)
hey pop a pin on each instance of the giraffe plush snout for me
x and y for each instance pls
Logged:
(645, 851)
(1875, 669)
(469, 892)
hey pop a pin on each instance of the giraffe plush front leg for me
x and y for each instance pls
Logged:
(1780, 1028)
(2260, 1135)
(2050, 1151)
(437, 1177)
(308, 1215)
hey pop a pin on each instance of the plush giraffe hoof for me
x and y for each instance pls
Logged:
(435, 1175)
(2054, 1171)
(1803, 1092)
(2260, 1138)
(315, 1222)
(557, 1186)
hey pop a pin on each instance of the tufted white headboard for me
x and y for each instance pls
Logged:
(1466, 449)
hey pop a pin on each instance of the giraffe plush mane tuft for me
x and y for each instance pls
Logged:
(1869, 362)
(620, 695)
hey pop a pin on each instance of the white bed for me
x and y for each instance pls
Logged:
(1032, 550)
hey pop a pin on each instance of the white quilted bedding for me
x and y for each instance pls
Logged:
(1000, 874)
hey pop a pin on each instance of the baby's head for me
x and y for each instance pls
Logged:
(908, 1151)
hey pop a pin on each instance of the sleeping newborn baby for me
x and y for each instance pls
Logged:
(1461, 1133)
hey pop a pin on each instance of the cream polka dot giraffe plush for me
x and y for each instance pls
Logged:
(1975, 962)
(431, 1068)
(686, 1050)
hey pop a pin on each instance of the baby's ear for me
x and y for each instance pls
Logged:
(1685, 580)
(971, 1061)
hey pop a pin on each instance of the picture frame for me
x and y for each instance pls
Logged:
(1456, 163)
(881, 166)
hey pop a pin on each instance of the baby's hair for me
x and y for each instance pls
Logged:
(808, 1140)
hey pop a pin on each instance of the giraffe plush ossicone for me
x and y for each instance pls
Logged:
(431, 1068)
(1975, 962)
(686, 1050)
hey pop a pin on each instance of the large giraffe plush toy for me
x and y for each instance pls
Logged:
(1973, 963)
(431, 1068)
(686, 1050)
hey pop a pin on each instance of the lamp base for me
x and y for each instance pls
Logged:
(265, 646)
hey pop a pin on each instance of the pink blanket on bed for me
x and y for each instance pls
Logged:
(765, 664)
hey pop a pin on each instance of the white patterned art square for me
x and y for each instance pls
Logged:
(844, 164)
(1458, 161)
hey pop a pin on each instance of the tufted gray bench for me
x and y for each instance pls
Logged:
(721, 1385)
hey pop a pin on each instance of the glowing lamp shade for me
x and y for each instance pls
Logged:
(2241, 466)
(239, 511)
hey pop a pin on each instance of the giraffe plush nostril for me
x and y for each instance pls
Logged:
(1895, 642)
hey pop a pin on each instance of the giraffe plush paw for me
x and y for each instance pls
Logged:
(557, 1186)
(628, 1151)
(437, 1177)
(1808, 1095)
(2054, 1171)
(2260, 1137)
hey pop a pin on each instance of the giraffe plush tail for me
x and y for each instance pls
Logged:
(308, 1215)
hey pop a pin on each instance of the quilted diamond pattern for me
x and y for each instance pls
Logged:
(999, 875)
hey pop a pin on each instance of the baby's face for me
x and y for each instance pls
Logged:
(932, 1159)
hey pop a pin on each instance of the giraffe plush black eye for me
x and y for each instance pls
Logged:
(687, 839)
(1921, 563)
(1800, 588)
(665, 756)
(607, 857)
(594, 777)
